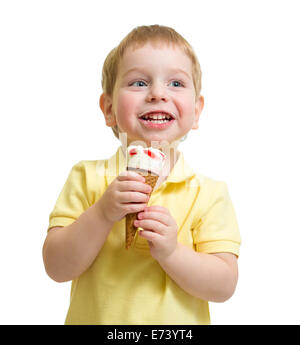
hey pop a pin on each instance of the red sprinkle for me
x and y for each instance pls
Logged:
(150, 153)
(133, 152)
(163, 156)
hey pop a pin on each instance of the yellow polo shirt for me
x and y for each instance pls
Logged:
(129, 286)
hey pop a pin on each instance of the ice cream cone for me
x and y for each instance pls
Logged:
(147, 162)
(131, 229)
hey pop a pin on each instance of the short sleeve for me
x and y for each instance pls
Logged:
(217, 229)
(72, 200)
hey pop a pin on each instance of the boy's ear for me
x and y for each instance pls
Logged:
(198, 110)
(105, 103)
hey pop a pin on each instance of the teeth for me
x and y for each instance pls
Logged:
(157, 118)
(159, 121)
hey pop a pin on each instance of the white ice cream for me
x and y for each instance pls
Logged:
(148, 159)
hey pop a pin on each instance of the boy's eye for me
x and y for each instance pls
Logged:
(176, 83)
(138, 83)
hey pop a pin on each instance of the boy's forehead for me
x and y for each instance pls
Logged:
(134, 55)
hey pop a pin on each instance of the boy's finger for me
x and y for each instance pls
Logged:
(149, 235)
(158, 216)
(135, 186)
(134, 208)
(129, 197)
(151, 225)
(156, 208)
(130, 175)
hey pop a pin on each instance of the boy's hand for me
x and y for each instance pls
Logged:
(160, 229)
(126, 194)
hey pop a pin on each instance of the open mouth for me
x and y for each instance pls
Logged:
(157, 117)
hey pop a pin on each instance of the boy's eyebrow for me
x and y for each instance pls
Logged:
(171, 70)
(179, 70)
(134, 69)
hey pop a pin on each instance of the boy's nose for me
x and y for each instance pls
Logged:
(157, 93)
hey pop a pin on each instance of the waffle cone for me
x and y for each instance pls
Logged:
(131, 217)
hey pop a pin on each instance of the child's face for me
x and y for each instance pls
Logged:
(154, 96)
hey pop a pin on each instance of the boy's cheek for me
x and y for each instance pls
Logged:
(126, 103)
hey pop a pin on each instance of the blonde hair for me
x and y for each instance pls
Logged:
(137, 38)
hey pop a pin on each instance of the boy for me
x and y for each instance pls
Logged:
(186, 253)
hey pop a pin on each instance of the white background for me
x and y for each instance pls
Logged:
(50, 71)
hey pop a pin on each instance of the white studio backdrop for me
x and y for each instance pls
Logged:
(50, 71)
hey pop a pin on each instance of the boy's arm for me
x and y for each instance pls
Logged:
(69, 251)
(212, 277)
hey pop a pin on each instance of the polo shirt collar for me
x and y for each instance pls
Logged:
(181, 171)
(117, 164)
